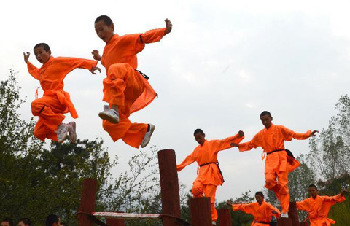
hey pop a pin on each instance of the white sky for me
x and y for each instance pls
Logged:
(223, 63)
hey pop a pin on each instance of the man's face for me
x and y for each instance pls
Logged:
(313, 192)
(266, 121)
(21, 224)
(103, 31)
(259, 199)
(41, 54)
(5, 223)
(200, 138)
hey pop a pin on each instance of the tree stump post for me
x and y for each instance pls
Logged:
(87, 202)
(169, 186)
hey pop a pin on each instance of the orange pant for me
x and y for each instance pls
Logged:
(122, 87)
(50, 112)
(131, 133)
(209, 191)
(276, 167)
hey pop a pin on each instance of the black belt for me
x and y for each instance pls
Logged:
(289, 153)
(141, 73)
(263, 222)
(217, 163)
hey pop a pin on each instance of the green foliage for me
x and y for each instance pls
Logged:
(36, 181)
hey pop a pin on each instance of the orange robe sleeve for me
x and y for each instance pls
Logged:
(68, 64)
(148, 37)
(289, 134)
(187, 161)
(254, 143)
(33, 71)
(154, 35)
(245, 207)
(219, 145)
(277, 214)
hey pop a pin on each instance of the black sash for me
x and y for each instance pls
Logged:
(217, 163)
(289, 153)
(143, 74)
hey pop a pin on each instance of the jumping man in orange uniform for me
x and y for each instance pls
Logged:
(126, 90)
(319, 206)
(55, 102)
(279, 161)
(261, 210)
(209, 174)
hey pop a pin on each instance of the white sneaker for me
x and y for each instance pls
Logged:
(213, 223)
(148, 135)
(62, 131)
(284, 215)
(72, 129)
(110, 115)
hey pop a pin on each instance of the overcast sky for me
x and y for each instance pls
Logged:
(223, 63)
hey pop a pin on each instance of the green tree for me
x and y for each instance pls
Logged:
(36, 181)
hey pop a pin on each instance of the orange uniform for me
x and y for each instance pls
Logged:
(318, 208)
(277, 163)
(209, 176)
(126, 87)
(55, 102)
(262, 213)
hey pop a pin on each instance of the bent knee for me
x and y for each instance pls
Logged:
(37, 108)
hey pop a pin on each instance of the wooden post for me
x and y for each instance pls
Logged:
(293, 213)
(115, 222)
(200, 211)
(283, 221)
(87, 202)
(224, 217)
(169, 186)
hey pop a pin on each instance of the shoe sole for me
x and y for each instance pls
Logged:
(65, 137)
(151, 131)
(108, 118)
(73, 137)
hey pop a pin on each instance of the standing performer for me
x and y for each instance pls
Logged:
(126, 90)
(261, 210)
(279, 161)
(319, 206)
(209, 174)
(55, 102)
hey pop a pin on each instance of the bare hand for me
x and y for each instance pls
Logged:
(241, 133)
(234, 145)
(94, 69)
(313, 133)
(26, 56)
(168, 26)
(96, 55)
(344, 192)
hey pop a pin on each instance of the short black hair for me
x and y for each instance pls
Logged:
(265, 113)
(8, 220)
(198, 131)
(312, 186)
(260, 193)
(26, 221)
(108, 21)
(52, 218)
(44, 45)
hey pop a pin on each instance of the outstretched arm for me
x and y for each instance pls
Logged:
(225, 143)
(246, 146)
(289, 134)
(187, 161)
(33, 71)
